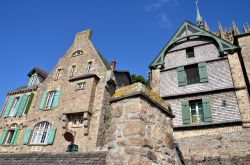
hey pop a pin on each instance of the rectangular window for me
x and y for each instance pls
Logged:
(192, 74)
(196, 111)
(72, 71)
(80, 85)
(14, 106)
(50, 99)
(89, 67)
(75, 120)
(57, 74)
(190, 52)
(10, 136)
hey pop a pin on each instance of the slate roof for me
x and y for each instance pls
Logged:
(39, 71)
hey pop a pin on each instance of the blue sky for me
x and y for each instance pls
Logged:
(132, 32)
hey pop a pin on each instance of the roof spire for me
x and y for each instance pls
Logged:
(235, 28)
(220, 28)
(206, 27)
(198, 17)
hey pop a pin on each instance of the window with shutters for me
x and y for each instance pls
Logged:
(196, 111)
(10, 135)
(190, 52)
(192, 74)
(50, 99)
(41, 133)
(14, 107)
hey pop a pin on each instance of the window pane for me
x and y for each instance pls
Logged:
(192, 73)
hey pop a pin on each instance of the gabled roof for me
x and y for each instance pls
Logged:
(39, 71)
(188, 30)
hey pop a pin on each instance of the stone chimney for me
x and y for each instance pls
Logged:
(113, 64)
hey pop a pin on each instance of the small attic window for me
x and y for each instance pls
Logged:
(190, 52)
(77, 53)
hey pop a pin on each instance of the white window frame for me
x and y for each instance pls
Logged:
(72, 71)
(89, 66)
(50, 99)
(76, 121)
(80, 85)
(13, 107)
(197, 117)
(58, 71)
(41, 133)
(10, 134)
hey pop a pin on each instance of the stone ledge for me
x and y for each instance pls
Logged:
(207, 125)
(139, 89)
(85, 76)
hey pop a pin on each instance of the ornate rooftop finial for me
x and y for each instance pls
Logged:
(198, 17)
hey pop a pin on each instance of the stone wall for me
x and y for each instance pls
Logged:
(141, 128)
(240, 89)
(220, 112)
(219, 77)
(213, 146)
(90, 158)
(244, 42)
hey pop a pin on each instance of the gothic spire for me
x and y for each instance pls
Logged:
(220, 28)
(199, 21)
(244, 28)
(206, 27)
(235, 28)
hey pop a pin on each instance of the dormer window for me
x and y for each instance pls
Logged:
(77, 53)
(190, 52)
(33, 80)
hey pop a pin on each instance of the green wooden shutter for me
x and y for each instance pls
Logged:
(181, 76)
(56, 99)
(15, 138)
(185, 112)
(29, 104)
(27, 136)
(52, 133)
(207, 110)
(18, 105)
(8, 106)
(203, 72)
(43, 100)
(3, 136)
(22, 105)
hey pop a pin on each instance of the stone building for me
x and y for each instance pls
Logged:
(86, 107)
(73, 97)
(205, 78)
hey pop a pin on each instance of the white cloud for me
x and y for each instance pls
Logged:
(159, 4)
(164, 20)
